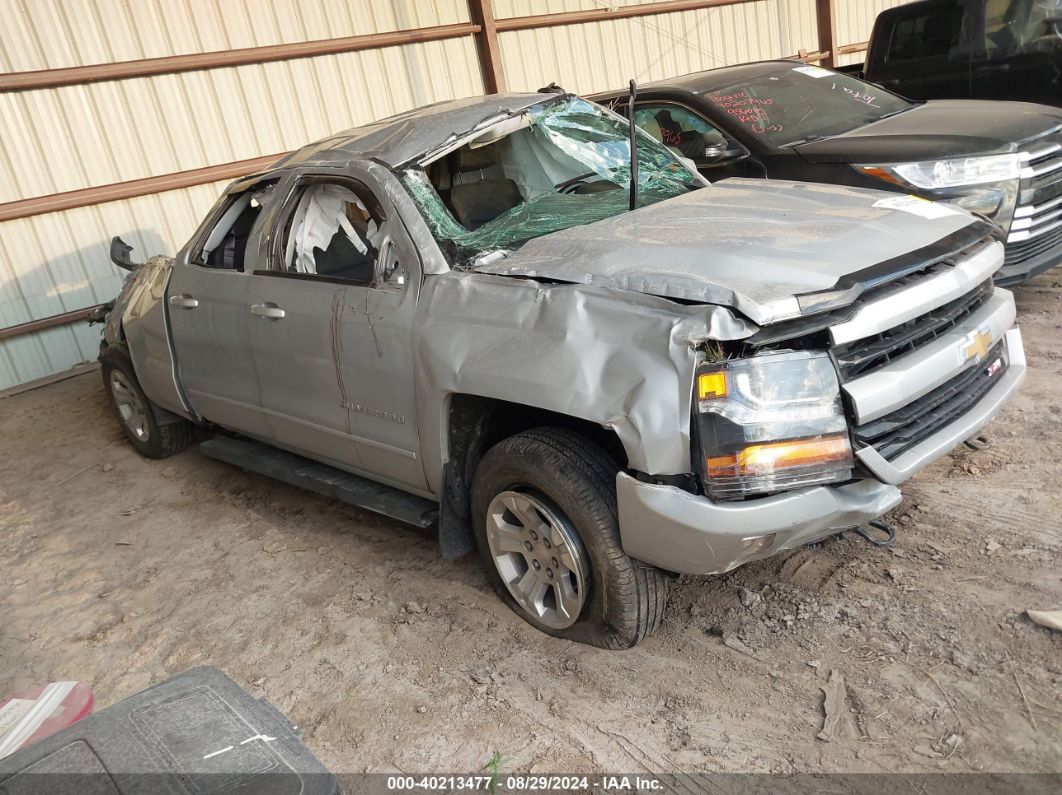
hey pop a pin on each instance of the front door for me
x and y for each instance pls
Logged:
(207, 305)
(331, 331)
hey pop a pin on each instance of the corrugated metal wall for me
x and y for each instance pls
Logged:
(57, 262)
(602, 55)
(74, 137)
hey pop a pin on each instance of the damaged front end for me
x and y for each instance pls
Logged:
(768, 283)
(120, 255)
(793, 346)
(809, 428)
(136, 319)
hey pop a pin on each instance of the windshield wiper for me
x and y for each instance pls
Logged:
(808, 140)
(820, 137)
(892, 113)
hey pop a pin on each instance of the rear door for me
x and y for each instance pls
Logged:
(924, 51)
(331, 329)
(207, 307)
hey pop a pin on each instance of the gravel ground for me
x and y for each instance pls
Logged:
(122, 572)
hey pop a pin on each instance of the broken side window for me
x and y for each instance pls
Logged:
(226, 245)
(333, 233)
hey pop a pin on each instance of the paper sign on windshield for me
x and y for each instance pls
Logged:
(813, 71)
(914, 205)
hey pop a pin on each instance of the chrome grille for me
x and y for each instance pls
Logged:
(896, 433)
(903, 383)
(862, 356)
(1038, 215)
(1027, 249)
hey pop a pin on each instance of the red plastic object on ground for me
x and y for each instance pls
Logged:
(32, 715)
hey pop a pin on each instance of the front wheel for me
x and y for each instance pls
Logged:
(544, 513)
(134, 410)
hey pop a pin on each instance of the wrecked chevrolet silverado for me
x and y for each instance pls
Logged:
(455, 317)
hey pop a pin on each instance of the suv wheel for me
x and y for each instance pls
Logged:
(135, 412)
(544, 513)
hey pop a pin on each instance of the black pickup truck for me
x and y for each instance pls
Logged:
(968, 49)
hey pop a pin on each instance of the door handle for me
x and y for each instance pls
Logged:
(271, 311)
(183, 301)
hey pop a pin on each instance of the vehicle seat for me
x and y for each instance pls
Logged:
(480, 192)
(343, 260)
(478, 203)
(230, 254)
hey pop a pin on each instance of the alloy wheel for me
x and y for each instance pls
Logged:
(131, 407)
(539, 557)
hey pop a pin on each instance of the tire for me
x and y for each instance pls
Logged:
(135, 412)
(564, 486)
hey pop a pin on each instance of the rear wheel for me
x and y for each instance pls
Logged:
(544, 513)
(135, 411)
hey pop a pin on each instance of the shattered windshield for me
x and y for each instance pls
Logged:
(799, 103)
(565, 164)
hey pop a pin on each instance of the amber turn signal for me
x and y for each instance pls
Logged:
(760, 459)
(880, 173)
(711, 385)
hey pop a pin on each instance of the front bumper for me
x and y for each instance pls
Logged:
(1021, 272)
(690, 534)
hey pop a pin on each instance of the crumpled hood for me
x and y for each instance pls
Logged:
(938, 129)
(749, 244)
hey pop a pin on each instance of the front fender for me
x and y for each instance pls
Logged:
(139, 318)
(622, 360)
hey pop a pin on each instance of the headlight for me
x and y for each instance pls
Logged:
(770, 423)
(983, 201)
(987, 185)
(956, 173)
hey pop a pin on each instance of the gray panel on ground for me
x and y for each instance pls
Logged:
(322, 479)
(198, 732)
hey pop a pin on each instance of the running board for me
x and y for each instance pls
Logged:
(322, 479)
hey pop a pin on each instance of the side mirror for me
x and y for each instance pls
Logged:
(724, 152)
(120, 251)
(715, 151)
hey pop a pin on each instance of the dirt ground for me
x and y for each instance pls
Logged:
(121, 572)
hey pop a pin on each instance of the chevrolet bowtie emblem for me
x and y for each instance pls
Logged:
(975, 345)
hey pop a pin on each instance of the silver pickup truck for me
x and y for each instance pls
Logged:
(454, 316)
